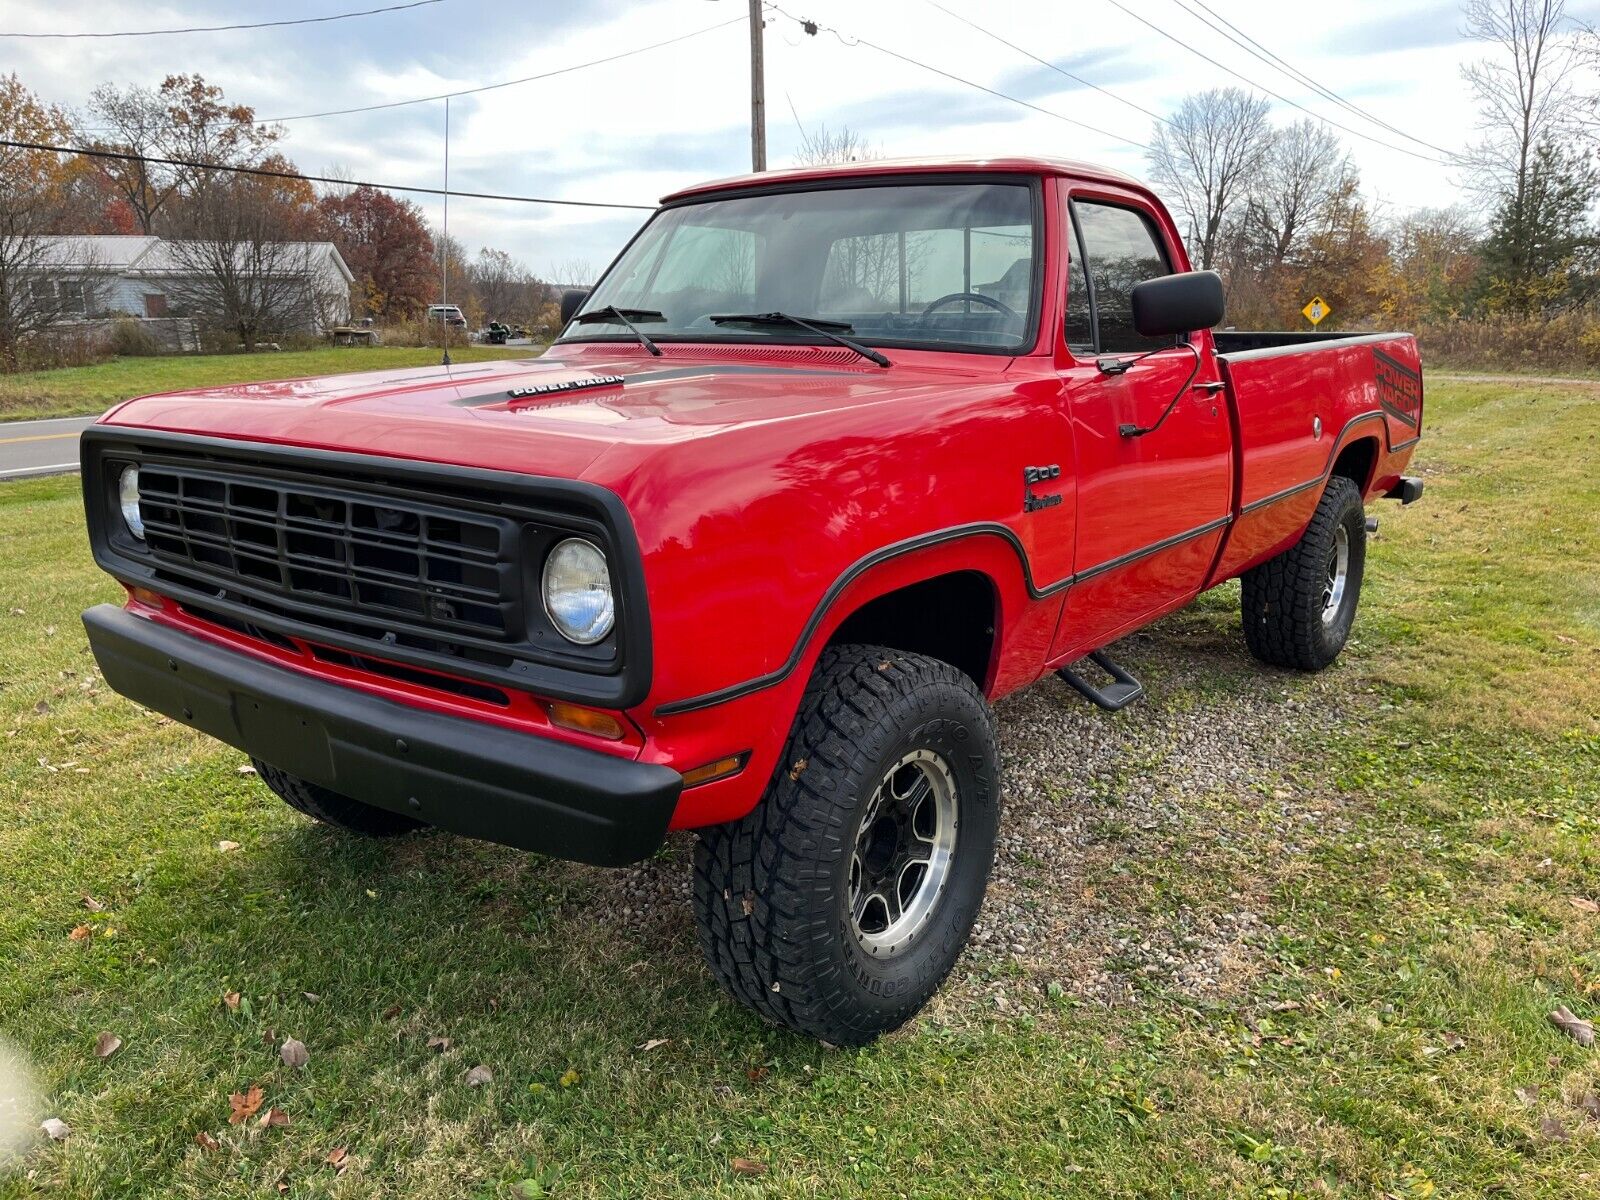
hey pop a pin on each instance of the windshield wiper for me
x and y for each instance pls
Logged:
(828, 329)
(612, 313)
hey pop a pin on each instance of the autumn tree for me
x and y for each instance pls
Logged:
(1207, 159)
(33, 184)
(1541, 249)
(185, 119)
(386, 245)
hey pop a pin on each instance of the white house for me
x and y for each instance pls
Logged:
(141, 276)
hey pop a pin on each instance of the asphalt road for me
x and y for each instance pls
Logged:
(45, 447)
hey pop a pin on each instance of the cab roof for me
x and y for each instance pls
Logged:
(1014, 164)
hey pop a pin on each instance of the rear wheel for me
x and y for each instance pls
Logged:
(1297, 608)
(332, 808)
(839, 905)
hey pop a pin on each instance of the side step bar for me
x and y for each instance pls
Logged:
(1112, 696)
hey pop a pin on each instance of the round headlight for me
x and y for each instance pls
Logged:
(128, 498)
(577, 592)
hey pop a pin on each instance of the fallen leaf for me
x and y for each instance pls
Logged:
(311, 997)
(1454, 1041)
(244, 1106)
(569, 1077)
(1576, 1028)
(293, 1053)
(757, 1074)
(106, 1045)
(1589, 1105)
(205, 1141)
(92, 904)
(653, 1044)
(80, 934)
(42, 707)
(247, 769)
(1554, 1130)
(391, 1012)
(799, 768)
(441, 1044)
(338, 1158)
(231, 1001)
(58, 1129)
(273, 1118)
(225, 846)
(479, 1076)
(1583, 904)
(748, 903)
(1528, 1095)
(749, 1167)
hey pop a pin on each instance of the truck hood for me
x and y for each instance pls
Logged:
(558, 414)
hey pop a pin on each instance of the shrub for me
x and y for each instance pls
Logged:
(1566, 342)
(132, 339)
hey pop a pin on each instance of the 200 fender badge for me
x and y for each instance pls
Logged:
(566, 385)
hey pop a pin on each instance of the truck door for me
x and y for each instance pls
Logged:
(1151, 508)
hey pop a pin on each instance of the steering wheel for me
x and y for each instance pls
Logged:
(998, 305)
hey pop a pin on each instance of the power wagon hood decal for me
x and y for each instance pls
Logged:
(548, 416)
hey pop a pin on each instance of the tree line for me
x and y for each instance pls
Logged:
(240, 242)
(1279, 210)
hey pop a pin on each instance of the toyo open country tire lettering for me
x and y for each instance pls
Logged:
(1298, 607)
(331, 808)
(838, 906)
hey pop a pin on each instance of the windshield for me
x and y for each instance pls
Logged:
(938, 265)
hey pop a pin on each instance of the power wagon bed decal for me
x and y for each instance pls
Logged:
(1399, 393)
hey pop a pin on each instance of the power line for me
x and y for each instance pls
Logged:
(1275, 95)
(1045, 63)
(812, 27)
(368, 12)
(1283, 67)
(489, 87)
(267, 173)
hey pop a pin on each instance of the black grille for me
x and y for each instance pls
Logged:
(428, 567)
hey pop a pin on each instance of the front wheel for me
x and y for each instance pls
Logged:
(1298, 607)
(838, 906)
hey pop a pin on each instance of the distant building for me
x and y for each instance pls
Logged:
(96, 276)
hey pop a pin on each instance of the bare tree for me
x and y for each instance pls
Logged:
(1304, 174)
(500, 283)
(240, 270)
(821, 146)
(1207, 160)
(1523, 90)
(573, 273)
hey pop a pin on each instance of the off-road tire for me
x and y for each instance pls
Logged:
(771, 891)
(1282, 600)
(320, 804)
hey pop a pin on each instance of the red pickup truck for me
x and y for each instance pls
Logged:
(829, 460)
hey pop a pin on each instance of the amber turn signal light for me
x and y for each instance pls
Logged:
(720, 769)
(147, 597)
(584, 720)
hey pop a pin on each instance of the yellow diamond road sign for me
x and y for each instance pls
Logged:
(1316, 310)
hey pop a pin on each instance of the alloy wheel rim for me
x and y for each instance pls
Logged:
(1338, 576)
(904, 846)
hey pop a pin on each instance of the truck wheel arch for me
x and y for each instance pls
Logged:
(1357, 460)
(953, 617)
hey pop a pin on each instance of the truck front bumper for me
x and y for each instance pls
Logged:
(466, 776)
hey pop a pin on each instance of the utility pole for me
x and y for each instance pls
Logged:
(758, 91)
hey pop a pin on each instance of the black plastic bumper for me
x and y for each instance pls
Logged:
(1407, 491)
(470, 777)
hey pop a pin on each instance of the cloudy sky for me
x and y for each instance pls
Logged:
(631, 129)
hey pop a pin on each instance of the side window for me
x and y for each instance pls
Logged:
(1123, 249)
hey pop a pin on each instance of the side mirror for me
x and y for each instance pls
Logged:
(571, 300)
(1175, 304)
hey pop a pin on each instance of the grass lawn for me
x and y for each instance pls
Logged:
(1422, 856)
(80, 391)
